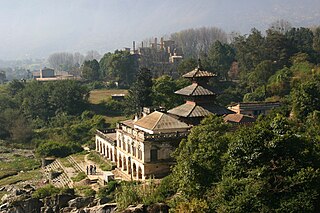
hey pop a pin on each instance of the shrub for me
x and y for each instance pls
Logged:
(107, 190)
(67, 190)
(46, 191)
(86, 191)
(54, 148)
(79, 176)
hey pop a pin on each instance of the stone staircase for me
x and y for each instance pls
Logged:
(75, 164)
(62, 180)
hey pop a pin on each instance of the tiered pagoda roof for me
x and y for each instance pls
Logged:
(200, 98)
(195, 90)
(194, 110)
(199, 73)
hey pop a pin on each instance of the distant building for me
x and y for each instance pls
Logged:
(35, 74)
(161, 57)
(254, 108)
(118, 97)
(47, 73)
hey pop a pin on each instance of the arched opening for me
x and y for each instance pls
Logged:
(111, 155)
(134, 170)
(103, 149)
(139, 173)
(107, 151)
(120, 162)
(124, 164)
(100, 150)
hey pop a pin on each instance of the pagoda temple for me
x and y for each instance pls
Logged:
(200, 98)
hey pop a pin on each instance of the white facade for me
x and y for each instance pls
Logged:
(141, 152)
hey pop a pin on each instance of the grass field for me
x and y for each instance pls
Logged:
(97, 96)
(96, 99)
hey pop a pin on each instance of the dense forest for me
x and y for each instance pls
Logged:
(271, 166)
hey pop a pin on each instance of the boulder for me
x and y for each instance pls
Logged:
(68, 210)
(80, 202)
(140, 208)
(158, 208)
(62, 200)
(106, 208)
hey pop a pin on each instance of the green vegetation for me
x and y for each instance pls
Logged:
(80, 176)
(132, 193)
(85, 190)
(46, 191)
(98, 96)
(13, 163)
(50, 190)
(33, 175)
(272, 166)
(108, 191)
(103, 164)
(65, 162)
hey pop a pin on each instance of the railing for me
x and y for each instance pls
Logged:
(103, 134)
(153, 137)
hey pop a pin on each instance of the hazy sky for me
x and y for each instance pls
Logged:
(37, 28)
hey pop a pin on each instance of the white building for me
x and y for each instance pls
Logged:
(143, 148)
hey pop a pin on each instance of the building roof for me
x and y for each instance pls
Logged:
(255, 105)
(195, 90)
(198, 73)
(191, 109)
(158, 121)
(128, 123)
(239, 118)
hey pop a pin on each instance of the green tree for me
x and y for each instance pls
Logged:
(186, 65)
(15, 86)
(140, 93)
(90, 70)
(316, 39)
(305, 98)
(250, 50)
(301, 39)
(220, 58)
(120, 66)
(45, 100)
(34, 101)
(199, 158)
(67, 96)
(279, 83)
(269, 169)
(278, 49)
(163, 92)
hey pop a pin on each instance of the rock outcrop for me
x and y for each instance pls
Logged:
(19, 200)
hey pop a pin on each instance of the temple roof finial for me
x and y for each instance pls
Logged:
(199, 64)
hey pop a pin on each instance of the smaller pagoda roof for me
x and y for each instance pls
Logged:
(192, 110)
(239, 118)
(195, 90)
(198, 72)
(158, 121)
